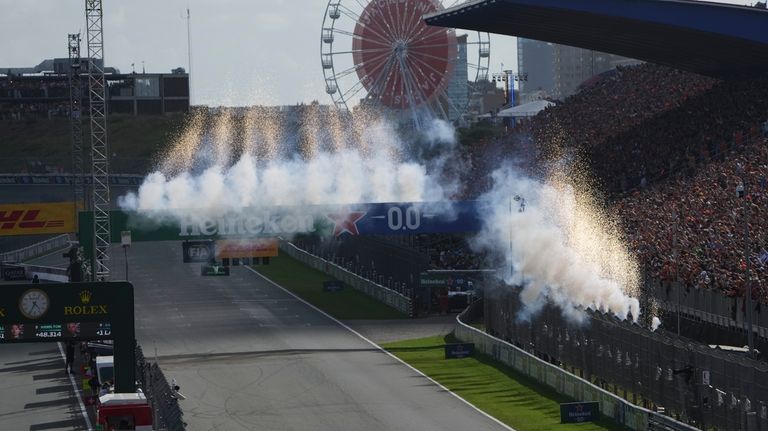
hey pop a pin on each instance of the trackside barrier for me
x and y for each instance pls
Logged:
(395, 300)
(166, 411)
(35, 250)
(46, 273)
(632, 416)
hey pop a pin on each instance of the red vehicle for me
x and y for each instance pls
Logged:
(124, 412)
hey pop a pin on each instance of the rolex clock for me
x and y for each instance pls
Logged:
(34, 303)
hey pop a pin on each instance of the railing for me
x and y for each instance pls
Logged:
(632, 416)
(35, 250)
(390, 297)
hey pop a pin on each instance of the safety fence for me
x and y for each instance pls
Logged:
(35, 250)
(705, 387)
(382, 294)
(632, 416)
(162, 397)
(711, 306)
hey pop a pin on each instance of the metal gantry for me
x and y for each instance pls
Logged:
(99, 147)
(76, 120)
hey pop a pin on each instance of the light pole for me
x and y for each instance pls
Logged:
(125, 240)
(741, 190)
(675, 254)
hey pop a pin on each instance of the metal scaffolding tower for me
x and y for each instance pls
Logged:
(76, 121)
(99, 148)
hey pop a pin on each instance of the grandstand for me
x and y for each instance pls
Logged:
(42, 92)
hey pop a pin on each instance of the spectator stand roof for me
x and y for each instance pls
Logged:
(713, 39)
(529, 109)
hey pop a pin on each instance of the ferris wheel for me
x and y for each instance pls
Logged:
(381, 53)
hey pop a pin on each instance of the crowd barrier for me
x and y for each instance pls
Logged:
(66, 179)
(382, 294)
(632, 416)
(35, 250)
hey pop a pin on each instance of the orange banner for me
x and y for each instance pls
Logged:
(266, 247)
(34, 219)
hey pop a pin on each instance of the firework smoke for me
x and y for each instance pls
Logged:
(312, 164)
(559, 248)
(556, 247)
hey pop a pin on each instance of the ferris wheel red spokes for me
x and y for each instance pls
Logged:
(389, 56)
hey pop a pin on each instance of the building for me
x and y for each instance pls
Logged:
(556, 71)
(572, 66)
(457, 91)
(43, 91)
(535, 62)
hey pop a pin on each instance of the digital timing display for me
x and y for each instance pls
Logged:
(55, 331)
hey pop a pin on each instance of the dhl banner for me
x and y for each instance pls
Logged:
(34, 219)
(266, 247)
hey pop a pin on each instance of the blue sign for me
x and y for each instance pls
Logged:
(579, 412)
(332, 286)
(459, 350)
(406, 218)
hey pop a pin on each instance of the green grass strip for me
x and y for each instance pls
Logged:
(307, 283)
(499, 390)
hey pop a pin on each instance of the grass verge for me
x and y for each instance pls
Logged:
(499, 390)
(307, 283)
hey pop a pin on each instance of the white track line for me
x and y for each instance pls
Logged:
(77, 391)
(383, 350)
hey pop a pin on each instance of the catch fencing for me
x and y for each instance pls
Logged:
(166, 411)
(711, 306)
(705, 387)
(35, 250)
(382, 294)
(632, 416)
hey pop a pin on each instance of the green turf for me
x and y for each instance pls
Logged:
(307, 283)
(497, 389)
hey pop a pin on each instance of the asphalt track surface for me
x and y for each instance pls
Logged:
(248, 355)
(35, 391)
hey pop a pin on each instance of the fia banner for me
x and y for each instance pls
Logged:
(197, 251)
(579, 412)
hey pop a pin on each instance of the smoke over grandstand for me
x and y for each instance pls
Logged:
(552, 240)
(559, 248)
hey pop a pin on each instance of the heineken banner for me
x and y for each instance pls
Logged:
(363, 219)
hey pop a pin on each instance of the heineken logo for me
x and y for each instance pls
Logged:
(243, 225)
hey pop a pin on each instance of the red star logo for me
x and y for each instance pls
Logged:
(346, 222)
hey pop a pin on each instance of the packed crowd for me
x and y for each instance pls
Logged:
(693, 229)
(674, 150)
(616, 103)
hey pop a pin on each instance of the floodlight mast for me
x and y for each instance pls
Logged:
(99, 147)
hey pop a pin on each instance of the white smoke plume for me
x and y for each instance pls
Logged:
(555, 249)
(655, 323)
(312, 166)
(552, 248)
